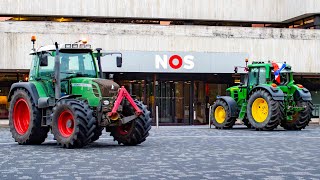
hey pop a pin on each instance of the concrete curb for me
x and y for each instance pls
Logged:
(4, 123)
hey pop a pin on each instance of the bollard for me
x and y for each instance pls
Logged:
(319, 114)
(157, 117)
(210, 109)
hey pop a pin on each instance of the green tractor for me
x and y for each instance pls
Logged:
(266, 98)
(66, 94)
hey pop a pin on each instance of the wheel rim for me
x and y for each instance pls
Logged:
(66, 123)
(260, 110)
(125, 129)
(220, 114)
(21, 116)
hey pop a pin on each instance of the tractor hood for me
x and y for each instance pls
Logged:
(94, 90)
(108, 88)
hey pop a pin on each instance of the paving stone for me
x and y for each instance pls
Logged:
(184, 152)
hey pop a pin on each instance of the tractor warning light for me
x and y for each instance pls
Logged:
(84, 41)
(33, 38)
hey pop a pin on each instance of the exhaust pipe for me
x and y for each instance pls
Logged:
(57, 86)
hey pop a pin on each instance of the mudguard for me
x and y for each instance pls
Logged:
(232, 104)
(30, 87)
(276, 93)
(303, 93)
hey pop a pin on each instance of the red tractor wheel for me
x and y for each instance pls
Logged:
(73, 123)
(25, 119)
(66, 123)
(21, 116)
(136, 131)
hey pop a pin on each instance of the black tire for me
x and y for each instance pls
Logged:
(33, 133)
(79, 117)
(274, 113)
(97, 133)
(246, 122)
(300, 119)
(136, 131)
(225, 121)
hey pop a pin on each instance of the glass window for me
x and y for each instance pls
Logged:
(33, 67)
(262, 75)
(71, 65)
(257, 75)
(284, 77)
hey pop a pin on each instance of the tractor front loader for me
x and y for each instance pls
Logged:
(66, 94)
(268, 97)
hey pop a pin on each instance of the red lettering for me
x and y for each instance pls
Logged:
(175, 66)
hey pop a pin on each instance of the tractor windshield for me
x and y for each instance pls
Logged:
(71, 65)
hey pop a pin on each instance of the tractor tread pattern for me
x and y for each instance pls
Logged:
(83, 116)
(229, 121)
(140, 131)
(277, 110)
(97, 133)
(37, 134)
(304, 117)
(246, 122)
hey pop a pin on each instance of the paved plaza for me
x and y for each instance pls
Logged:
(180, 152)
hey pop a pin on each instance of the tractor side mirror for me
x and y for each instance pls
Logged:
(119, 61)
(43, 60)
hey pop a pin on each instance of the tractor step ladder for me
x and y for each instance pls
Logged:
(243, 109)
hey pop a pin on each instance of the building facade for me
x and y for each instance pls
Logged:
(178, 55)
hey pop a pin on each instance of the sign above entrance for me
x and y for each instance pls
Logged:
(175, 62)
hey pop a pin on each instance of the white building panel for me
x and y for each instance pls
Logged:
(298, 47)
(224, 10)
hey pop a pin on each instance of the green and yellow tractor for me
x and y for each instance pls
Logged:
(266, 98)
(67, 95)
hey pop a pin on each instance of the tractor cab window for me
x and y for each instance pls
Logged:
(257, 75)
(71, 65)
(244, 79)
(33, 71)
(284, 77)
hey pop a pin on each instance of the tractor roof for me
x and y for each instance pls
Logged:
(268, 64)
(71, 46)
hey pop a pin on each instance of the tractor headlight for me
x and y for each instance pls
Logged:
(106, 102)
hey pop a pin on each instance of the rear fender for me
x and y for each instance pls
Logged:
(30, 87)
(232, 104)
(303, 94)
(276, 93)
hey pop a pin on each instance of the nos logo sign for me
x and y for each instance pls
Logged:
(174, 62)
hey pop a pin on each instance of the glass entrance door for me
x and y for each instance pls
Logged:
(172, 100)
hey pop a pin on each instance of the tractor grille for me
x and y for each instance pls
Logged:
(95, 90)
(107, 88)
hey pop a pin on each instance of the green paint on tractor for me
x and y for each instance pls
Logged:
(262, 102)
(66, 93)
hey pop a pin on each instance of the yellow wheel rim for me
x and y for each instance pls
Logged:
(220, 114)
(260, 110)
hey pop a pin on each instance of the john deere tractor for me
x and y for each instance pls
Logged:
(66, 94)
(266, 98)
